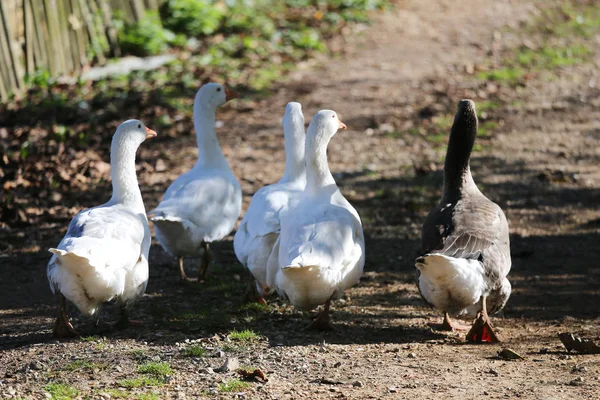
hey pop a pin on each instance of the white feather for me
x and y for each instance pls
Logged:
(452, 284)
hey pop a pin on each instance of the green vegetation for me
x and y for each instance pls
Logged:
(156, 368)
(116, 394)
(61, 391)
(233, 385)
(246, 335)
(192, 17)
(559, 36)
(145, 381)
(147, 396)
(194, 350)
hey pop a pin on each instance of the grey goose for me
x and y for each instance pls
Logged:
(465, 241)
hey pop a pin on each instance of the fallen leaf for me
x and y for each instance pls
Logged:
(509, 354)
(572, 342)
(257, 373)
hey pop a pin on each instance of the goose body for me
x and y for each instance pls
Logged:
(104, 254)
(202, 205)
(320, 251)
(260, 227)
(465, 239)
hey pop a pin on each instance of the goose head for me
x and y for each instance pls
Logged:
(213, 95)
(325, 124)
(133, 132)
(293, 119)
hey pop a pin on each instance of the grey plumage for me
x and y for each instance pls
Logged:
(466, 224)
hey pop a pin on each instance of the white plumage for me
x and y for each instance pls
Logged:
(104, 254)
(202, 205)
(321, 250)
(452, 284)
(259, 229)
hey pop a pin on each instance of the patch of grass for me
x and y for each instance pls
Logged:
(116, 393)
(139, 353)
(61, 391)
(437, 138)
(233, 385)
(255, 307)
(148, 396)
(156, 368)
(194, 350)
(247, 335)
(444, 122)
(485, 129)
(144, 381)
(508, 75)
(486, 106)
(548, 57)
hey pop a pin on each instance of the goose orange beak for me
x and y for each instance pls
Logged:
(342, 125)
(230, 95)
(150, 133)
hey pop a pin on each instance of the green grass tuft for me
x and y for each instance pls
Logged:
(194, 350)
(508, 75)
(61, 391)
(145, 381)
(247, 335)
(156, 368)
(233, 385)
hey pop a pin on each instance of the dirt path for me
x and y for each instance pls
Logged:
(398, 82)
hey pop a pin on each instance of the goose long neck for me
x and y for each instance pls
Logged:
(295, 165)
(457, 169)
(209, 150)
(317, 167)
(123, 174)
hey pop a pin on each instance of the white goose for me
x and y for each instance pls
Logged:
(321, 250)
(104, 254)
(259, 229)
(203, 204)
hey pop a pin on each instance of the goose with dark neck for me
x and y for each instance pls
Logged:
(104, 254)
(465, 241)
(320, 251)
(202, 205)
(259, 229)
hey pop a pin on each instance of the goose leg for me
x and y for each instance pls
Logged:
(63, 327)
(481, 331)
(206, 260)
(252, 294)
(448, 325)
(124, 321)
(182, 270)
(322, 321)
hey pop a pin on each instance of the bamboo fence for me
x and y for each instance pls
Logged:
(58, 36)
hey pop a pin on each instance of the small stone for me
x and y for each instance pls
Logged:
(155, 358)
(207, 370)
(392, 389)
(118, 369)
(412, 355)
(220, 353)
(358, 384)
(47, 395)
(493, 372)
(577, 381)
(231, 364)
(36, 365)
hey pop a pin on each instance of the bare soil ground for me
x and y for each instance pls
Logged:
(398, 82)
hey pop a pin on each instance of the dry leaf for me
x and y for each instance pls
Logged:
(257, 373)
(572, 342)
